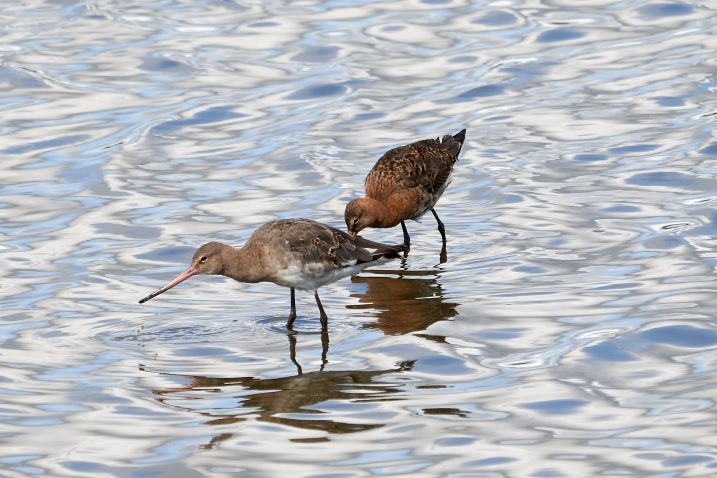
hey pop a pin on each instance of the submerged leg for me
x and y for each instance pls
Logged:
(322, 314)
(292, 314)
(406, 237)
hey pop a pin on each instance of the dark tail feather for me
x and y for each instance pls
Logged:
(389, 252)
(453, 144)
(379, 249)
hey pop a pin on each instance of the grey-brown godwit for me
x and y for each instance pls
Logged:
(294, 253)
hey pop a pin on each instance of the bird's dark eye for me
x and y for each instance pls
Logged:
(356, 221)
(203, 259)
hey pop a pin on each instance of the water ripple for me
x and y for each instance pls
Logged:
(580, 231)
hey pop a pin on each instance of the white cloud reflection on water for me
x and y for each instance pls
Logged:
(570, 333)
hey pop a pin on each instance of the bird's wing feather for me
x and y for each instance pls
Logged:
(425, 164)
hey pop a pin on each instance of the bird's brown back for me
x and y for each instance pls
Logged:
(425, 165)
(306, 242)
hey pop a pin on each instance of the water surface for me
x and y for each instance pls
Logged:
(571, 332)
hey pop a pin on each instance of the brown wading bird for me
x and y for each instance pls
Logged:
(294, 253)
(405, 183)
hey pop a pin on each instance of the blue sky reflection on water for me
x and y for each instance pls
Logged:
(570, 333)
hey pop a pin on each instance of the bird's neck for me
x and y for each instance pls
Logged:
(243, 264)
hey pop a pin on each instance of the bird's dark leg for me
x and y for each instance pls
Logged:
(442, 230)
(322, 315)
(406, 237)
(292, 314)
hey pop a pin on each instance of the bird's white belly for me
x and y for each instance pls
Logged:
(314, 275)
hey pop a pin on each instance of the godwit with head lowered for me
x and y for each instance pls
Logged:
(294, 253)
(405, 183)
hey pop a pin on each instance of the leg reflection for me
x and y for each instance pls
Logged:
(324, 351)
(292, 353)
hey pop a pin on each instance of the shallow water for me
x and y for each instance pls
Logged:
(571, 332)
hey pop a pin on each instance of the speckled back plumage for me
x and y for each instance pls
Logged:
(314, 250)
(421, 170)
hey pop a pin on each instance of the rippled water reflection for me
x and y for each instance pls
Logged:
(570, 333)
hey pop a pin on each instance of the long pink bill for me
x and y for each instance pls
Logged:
(180, 278)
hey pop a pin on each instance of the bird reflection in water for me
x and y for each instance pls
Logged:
(288, 400)
(410, 303)
(405, 301)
